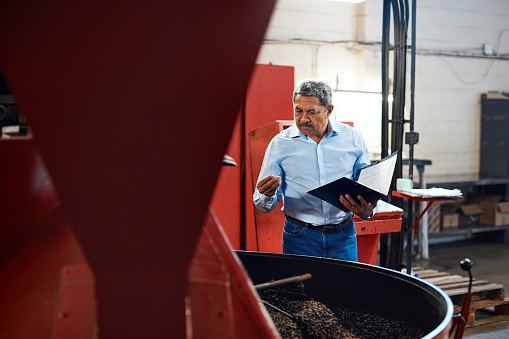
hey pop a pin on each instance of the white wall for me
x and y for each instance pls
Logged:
(448, 89)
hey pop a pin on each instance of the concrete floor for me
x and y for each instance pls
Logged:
(490, 262)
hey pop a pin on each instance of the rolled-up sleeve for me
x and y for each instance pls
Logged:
(263, 202)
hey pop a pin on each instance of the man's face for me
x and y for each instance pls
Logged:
(311, 117)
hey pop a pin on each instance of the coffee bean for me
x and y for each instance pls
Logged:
(312, 319)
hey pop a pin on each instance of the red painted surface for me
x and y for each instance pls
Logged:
(459, 322)
(368, 233)
(226, 200)
(268, 236)
(269, 97)
(269, 226)
(36, 241)
(75, 313)
(222, 302)
(132, 105)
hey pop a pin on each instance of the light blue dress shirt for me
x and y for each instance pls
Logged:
(304, 165)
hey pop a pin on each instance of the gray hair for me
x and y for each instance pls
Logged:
(314, 88)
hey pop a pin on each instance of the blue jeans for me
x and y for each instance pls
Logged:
(298, 239)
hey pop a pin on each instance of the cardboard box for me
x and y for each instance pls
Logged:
(470, 210)
(495, 211)
(469, 214)
(450, 221)
(449, 215)
(459, 215)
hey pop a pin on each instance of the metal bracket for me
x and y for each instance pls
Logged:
(411, 138)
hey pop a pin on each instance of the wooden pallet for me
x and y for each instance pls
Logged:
(487, 298)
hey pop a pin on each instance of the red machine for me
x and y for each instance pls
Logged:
(132, 105)
(268, 97)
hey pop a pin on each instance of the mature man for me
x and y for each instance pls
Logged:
(313, 152)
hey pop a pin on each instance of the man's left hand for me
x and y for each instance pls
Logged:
(364, 210)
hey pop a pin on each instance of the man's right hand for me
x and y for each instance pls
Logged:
(269, 185)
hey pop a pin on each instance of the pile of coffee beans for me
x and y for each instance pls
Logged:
(310, 319)
(369, 325)
(298, 316)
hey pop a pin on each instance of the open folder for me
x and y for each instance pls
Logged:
(373, 183)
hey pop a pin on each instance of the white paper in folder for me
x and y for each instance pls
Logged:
(378, 176)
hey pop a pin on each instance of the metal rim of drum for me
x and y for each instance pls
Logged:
(404, 280)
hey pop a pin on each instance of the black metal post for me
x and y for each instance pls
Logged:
(411, 141)
(384, 238)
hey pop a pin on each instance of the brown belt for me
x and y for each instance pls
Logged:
(333, 228)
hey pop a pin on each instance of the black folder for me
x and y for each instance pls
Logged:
(333, 190)
(343, 186)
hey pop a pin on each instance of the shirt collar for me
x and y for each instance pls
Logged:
(331, 128)
(295, 131)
